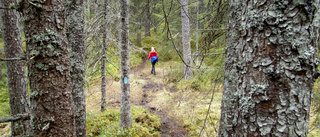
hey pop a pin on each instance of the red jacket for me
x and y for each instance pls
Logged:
(151, 54)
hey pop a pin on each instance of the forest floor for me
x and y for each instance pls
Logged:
(148, 91)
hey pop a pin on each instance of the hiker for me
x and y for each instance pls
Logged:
(154, 59)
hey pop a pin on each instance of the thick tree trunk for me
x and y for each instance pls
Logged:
(52, 112)
(75, 29)
(271, 69)
(17, 79)
(104, 60)
(188, 74)
(125, 110)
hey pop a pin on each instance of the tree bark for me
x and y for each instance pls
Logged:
(17, 79)
(75, 35)
(104, 59)
(270, 70)
(125, 110)
(188, 74)
(52, 112)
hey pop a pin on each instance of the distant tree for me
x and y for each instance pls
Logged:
(125, 110)
(135, 10)
(17, 79)
(52, 112)
(271, 65)
(188, 74)
(147, 19)
(75, 35)
(104, 58)
(201, 11)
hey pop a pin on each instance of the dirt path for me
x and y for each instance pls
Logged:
(151, 88)
(146, 90)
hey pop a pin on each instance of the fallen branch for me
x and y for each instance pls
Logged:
(15, 118)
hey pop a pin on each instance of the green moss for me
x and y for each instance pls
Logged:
(4, 95)
(106, 124)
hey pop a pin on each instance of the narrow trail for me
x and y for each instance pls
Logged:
(151, 87)
(146, 90)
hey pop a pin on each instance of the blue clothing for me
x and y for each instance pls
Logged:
(154, 59)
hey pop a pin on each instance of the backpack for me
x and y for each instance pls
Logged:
(154, 59)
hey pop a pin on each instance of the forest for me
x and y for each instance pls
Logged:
(77, 68)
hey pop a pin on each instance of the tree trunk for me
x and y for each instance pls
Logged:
(17, 79)
(229, 99)
(201, 11)
(270, 69)
(52, 112)
(147, 20)
(103, 65)
(138, 30)
(188, 74)
(75, 35)
(125, 110)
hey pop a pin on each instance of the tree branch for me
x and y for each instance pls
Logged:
(5, 8)
(34, 4)
(12, 59)
(205, 120)
(16, 118)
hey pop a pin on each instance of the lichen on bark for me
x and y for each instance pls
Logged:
(52, 112)
(75, 35)
(276, 67)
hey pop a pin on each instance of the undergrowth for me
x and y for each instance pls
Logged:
(106, 124)
(192, 98)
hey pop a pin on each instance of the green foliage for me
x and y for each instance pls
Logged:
(149, 42)
(315, 107)
(4, 94)
(175, 73)
(202, 80)
(135, 60)
(4, 100)
(106, 124)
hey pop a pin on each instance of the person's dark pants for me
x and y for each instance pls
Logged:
(153, 70)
